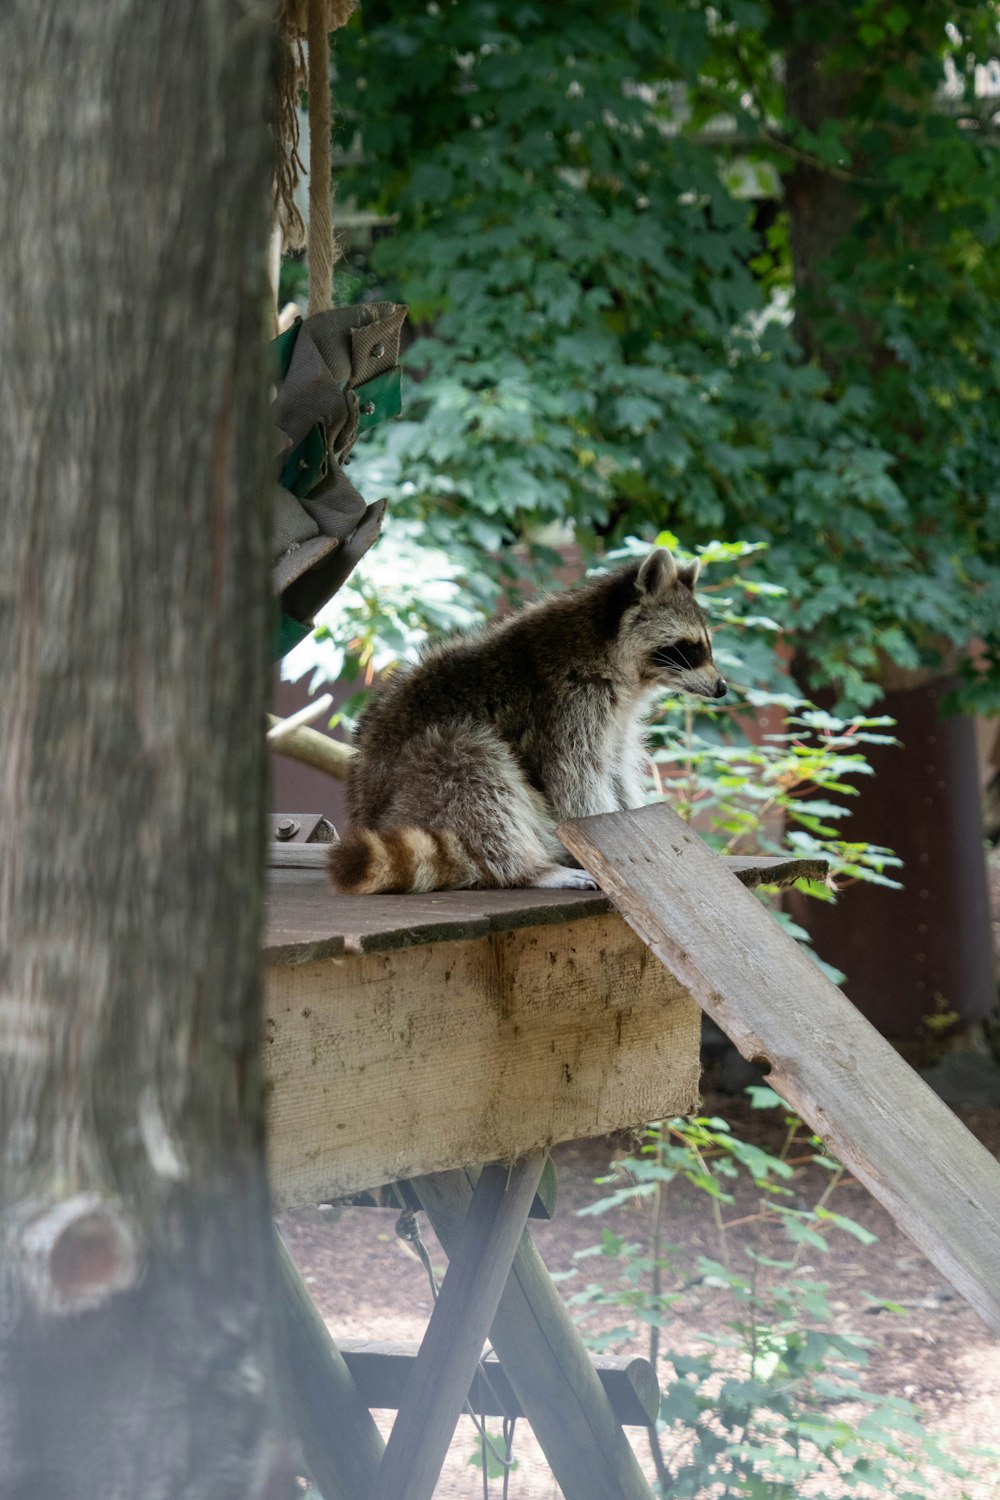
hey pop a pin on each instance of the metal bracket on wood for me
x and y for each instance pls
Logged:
(299, 840)
(400, 1195)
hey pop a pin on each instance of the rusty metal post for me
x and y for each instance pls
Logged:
(926, 949)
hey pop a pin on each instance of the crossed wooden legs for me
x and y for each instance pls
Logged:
(496, 1284)
(464, 1310)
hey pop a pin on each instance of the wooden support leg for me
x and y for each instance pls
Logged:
(546, 1362)
(479, 1264)
(341, 1445)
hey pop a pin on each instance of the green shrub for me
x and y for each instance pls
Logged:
(771, 1404)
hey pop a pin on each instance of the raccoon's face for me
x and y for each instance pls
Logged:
(666, 633)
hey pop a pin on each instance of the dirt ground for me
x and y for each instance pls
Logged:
(368, 1284)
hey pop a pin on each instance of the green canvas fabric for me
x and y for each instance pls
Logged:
(338, 375)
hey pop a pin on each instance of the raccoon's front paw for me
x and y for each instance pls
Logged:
(558, 877)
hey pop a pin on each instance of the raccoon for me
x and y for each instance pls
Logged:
(468, 761)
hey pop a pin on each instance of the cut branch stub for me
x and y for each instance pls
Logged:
(79, 1253)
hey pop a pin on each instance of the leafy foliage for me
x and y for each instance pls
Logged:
(606, 341)
(769, 792)
(406, 591)
(776, 1400)
(748, 793)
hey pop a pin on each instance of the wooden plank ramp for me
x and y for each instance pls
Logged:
(831, 1066)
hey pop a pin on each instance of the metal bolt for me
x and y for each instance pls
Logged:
(369, 408)
(287, 828)
(377, 351)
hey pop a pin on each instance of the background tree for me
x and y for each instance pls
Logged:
(729, 270)
(134, 1332)
(592, 220)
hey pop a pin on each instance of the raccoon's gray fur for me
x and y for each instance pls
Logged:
(468, 761)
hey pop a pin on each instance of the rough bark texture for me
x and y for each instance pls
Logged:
(134, 173)
(912, 806)
(822, 206)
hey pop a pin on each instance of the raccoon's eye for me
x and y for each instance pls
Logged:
(682, 656)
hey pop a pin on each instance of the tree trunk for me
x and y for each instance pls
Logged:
(822, 206)
(919, 960)
(134, 171)
(924, 800)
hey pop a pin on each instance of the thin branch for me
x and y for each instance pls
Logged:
(280, 730)
(317, 750)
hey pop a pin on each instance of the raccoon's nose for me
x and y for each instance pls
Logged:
(720, 688)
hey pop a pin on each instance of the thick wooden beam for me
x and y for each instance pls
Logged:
(391, 1064)
(826, 1060)
(380, 1371)
(546, 1362)
(444, 1367)
(341, 1445)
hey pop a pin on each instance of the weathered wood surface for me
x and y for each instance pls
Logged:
(296, 856)
(826, 1060)
(465, 1307)
(340, 1443)
(381, 1369)
(307, 919)
(754, 870)
(546, 1362)
(384, 1065)
(136, 1323)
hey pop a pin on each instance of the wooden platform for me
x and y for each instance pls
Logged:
(414, 1036)
(411, 1034)
(307, 919)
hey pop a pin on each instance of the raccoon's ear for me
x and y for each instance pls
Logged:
(657, 574)
(687, 573)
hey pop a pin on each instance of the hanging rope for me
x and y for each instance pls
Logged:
(321, 245)
(311, 21)
(290, 166)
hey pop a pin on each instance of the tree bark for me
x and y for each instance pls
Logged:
(923, 802)
(822, 206)
(134, 1228)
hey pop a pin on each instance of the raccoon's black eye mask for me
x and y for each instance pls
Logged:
(682, 656)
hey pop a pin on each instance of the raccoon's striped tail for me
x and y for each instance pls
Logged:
(365, 863)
